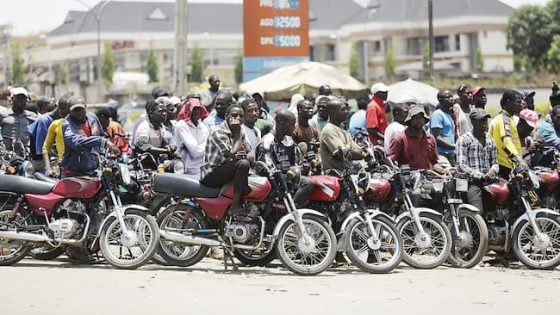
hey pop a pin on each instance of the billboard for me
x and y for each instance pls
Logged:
(275, 34)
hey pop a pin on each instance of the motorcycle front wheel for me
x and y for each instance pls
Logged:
(470, 246)
(429, 250)
(309, 256)
(133, 248)
(538, 251)
(370, 256)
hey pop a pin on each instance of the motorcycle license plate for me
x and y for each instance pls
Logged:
(461, 185)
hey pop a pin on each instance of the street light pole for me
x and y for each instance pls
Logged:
(431, 37)
(371, 6)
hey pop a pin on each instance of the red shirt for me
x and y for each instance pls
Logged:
(376, 117)
(419, 152)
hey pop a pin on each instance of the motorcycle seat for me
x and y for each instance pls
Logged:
(24, 185)
(182, 185)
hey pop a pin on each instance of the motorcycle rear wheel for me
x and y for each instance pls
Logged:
(382, 260)
(310, 261)
(140, 251)
(440, 244)
(180, 254)
(525, 244)
(46, 252)
(254, 259)
(12, 251)
(473, 225)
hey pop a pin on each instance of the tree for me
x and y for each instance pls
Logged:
(108, 63)
(18, 65)
(390, 60)
(426, 60)
(553, 55)
(152, 66)
(197, 63)
(529, 34)
(553, 9)
(479, 58)
(239, 68)
(354, 63)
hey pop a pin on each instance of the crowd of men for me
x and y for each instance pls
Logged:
(219, 135)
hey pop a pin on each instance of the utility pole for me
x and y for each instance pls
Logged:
(6, 39)
(431, 37)
(180, 52)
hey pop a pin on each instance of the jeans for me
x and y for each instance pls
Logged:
(236, 172)
(304, 190)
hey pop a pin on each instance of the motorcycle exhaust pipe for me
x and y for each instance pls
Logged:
(23, 236)
(187, 239)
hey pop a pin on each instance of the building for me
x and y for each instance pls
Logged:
(336, 26)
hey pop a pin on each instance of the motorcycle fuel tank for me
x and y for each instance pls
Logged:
(497, 193)
(378, 190)
(327, 188)
(260, 189)
(549, 180)
(77, 187)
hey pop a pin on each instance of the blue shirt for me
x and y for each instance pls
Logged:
(358, 120)
(213, 121)
(38, 133)
(550, 134)
(444, 121)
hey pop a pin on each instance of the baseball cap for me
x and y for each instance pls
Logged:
(528, 94)
(163, 100)
(379, 87)
(414, 110)
(17, 91)
(530, 117)
(477, 89)
(479, 114)
(76, 102)
(175, 100)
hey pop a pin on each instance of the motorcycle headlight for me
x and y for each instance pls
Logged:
(534, 180)
(27, 169)
(178, 167)
(125, 174)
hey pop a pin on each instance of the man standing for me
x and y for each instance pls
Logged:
(15, 120)
(400, 112)
(442, 126)
(320, 119)
(222, 101)
(207, 97)
(503, 131)
(477, 156)
(304, 132)
(414, 146)
(358, 119)
(479, 97)
(334, 137)
(55, 137)
(376, 119)
(462, 109)
(250, 117)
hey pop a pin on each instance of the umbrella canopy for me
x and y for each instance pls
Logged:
(304, 78)
(409, 90)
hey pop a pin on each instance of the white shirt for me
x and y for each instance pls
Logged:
(253, 137)
(191, 143)
(390, 132)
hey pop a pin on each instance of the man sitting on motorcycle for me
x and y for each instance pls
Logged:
(477, 156)
(279, 149)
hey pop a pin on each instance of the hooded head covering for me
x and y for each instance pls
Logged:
(188, 106)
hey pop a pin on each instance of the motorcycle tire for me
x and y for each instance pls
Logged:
(46, 252)
(357, 234)
(141, 220)
(478, 232)
(409, 241)
(7, 257)
(288, 242)
(254, 260)
(524, 230)
(167, 249)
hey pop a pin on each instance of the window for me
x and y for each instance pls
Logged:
(330, 52)
(414, 45)
(376, 46)
(457, 41)
(441, 43)
(312, 53)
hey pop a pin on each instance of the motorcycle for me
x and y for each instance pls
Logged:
(514, 219)
(75, 212)
(368, 236)
(303, 240)
(550, 180)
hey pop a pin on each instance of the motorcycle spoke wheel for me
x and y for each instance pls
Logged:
(534, 252)
(433, 252)
(311, 258)
(380, 260)
(12, 251)
(130, 249)
(469, 251)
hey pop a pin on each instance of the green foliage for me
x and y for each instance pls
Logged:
(390, 60)
(354, 63)
(426, 60)
(529, 34)
(152, 66)
(239, 68)
(197, 63)
(479, 58)
(18, 65)
(108, 63)
(553, 9)
(553, 55)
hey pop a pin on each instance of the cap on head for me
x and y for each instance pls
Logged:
(163, 100)
(379, 87)
(175, 100)
(463, 87)
(477, 89)
(528, 94)
(18, 91)
(530, 117)
(414, 110)
(76, 102)
(479, 114)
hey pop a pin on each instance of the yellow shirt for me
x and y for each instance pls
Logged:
(503, 129)
(54, 135)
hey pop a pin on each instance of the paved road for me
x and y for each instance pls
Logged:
(58, 287)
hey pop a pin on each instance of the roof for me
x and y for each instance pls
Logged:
(119, 16)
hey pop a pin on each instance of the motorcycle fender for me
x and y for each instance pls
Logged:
(125, 209)
(290, 217)
(357, 215)
(534, 213)
(468, 207)
(419, 210)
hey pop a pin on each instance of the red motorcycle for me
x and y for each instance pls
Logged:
(75, 212)
(549, 191)
(304, 241)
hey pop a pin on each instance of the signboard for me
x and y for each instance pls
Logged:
(275, 34)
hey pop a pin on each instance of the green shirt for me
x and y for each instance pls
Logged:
(333, 137)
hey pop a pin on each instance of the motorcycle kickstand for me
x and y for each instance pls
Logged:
(228, 254)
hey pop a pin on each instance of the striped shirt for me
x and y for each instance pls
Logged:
(475, 158)
(219, 144)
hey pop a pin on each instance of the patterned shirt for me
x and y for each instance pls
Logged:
(219, 143)
(475, 158)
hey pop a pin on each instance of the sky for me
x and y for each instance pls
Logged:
(34, 16)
